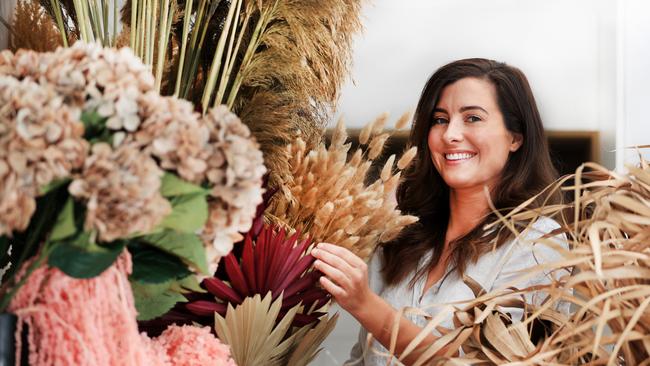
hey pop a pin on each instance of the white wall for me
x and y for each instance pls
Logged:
(634, 125)
(566, 48)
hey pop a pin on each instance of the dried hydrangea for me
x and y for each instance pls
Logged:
(106, 80)
(174, 133)
(16, 208)
(121, 191)
(120, 184)
(235, 170)
(41, 139)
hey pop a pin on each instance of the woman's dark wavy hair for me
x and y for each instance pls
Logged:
(424, 193)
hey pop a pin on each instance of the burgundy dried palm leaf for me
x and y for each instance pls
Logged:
(268, 261)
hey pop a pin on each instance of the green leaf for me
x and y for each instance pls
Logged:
(189, 283)
(64, 225)
(187, 246)
(92, 119)
(95, 127)
(154, 300)
(172, 185)
(151, 265)
(80, 258)
(189, 213)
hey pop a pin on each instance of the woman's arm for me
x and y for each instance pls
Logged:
(346, 278)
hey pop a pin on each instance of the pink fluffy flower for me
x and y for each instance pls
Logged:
(82, 321)
(194, 346)
(91, 322)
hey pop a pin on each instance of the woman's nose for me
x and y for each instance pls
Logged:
(454, 131)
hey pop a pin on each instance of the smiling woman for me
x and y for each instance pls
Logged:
(468, 140)
(480, 141)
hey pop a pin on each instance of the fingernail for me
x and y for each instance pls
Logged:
(314, 251)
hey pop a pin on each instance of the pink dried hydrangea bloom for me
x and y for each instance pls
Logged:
(107, 80)
(235, 170)
(41, 139)
(173, 132)
(121, 189)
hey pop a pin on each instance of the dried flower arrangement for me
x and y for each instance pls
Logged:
(93, 160)
(277, 64)
(272, 266)
(607, 226)
(268, 280)
(329, 197)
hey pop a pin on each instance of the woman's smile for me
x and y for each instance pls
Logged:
(457, 158)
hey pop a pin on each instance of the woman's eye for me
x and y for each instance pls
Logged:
(439, 120)
(473, 118)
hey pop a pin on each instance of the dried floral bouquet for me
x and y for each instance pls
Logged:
(277, 64)
(93, 160)
(271, 271)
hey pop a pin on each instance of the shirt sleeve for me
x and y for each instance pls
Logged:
(356, 354)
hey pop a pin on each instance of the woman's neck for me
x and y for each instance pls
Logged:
(466, 209)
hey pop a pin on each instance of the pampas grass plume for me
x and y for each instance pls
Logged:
(407, 157)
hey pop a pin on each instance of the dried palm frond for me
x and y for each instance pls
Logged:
(308, 341)
(32, 28)
(609, 288)
(330, 198)
(258, 336)
(286, 274)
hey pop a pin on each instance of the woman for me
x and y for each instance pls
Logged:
(478, 130)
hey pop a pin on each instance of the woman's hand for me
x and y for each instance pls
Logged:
(346, 276)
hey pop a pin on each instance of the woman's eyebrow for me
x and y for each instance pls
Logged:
(462, 109)
(470, 107)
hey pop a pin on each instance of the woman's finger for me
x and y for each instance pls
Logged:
(333, 260)
(333, 273)
(348, 256)
(331, 287)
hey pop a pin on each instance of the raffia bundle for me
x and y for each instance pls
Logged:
(330, 200)
(609, 288)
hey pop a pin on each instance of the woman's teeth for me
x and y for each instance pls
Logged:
(459, 156)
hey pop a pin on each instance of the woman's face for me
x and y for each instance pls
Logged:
(468, 139)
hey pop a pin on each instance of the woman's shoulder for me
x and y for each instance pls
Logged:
(541, 226)
(539, 235)
(525, 250)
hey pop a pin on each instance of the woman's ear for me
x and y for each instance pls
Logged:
(517, 141)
